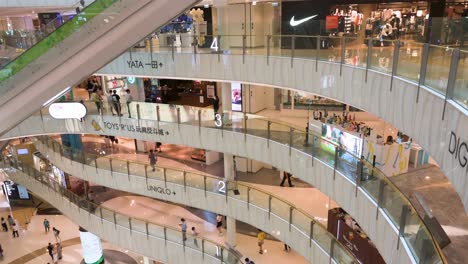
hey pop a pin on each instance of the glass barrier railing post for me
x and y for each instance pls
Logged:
(146, 174)
(204, 184)
(423, 69)
(359, 172)
(335, 165)
(291, 133)
(115, 219)
(222, 125)
(317, 53)
(199, 121)
(332, 249)
(165, 235)
(245, 127)
(404, 214)
(226, 190)
(203, 248)
(172, 51)
(195, 43)
(147, 231)
(342, 60)
(311, 234)
(369, 56)
(130, 225)
(185, 180)
(380, 197)
(110, 164)
(128, 169)
(396, 54)
(100, 214)
(451, 78)
(293, 48)
(165, 177)
(178, 115)
(269, 206)
(268, 133)
(268, 49)
(158, 116)
(138, 112)
(290, 217)
(244, 40)
(248, 198)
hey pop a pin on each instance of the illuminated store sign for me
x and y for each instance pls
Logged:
(294, 22)
(67, 110)
(160, 190)
(138, 64)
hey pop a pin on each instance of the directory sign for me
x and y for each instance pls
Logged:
(15, 191)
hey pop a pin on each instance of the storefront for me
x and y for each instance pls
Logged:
(350, 234)
(180, 92)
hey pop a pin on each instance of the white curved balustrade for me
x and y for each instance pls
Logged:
(253, 206)
(420, 112)
(148, 239)
(380, 218)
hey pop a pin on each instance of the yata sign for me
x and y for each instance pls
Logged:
(459, 149)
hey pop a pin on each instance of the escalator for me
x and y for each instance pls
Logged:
(76, 49)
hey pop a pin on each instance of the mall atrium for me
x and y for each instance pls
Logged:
(234, 131)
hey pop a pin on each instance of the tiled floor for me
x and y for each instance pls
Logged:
(444, 203)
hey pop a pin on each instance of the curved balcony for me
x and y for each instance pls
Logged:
(252, 205)
(159, 242)
(363, 191)
(419, 88)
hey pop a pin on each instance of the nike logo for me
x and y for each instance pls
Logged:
(294, 23)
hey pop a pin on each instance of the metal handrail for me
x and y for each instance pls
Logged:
(246, 185)
(96, 206)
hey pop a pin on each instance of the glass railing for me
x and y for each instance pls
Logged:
(398, 58)
(311, 229)
(370, 179)
(39, 42)
(143, 226)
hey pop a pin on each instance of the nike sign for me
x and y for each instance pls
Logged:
(294, 23)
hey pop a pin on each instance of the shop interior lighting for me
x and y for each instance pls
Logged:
(254, 3)
(274, 3)
(206, 6)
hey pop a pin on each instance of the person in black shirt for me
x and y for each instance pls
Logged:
(50, 249)
(116, 102)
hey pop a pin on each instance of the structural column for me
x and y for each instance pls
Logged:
(230, 222)
(226, 96)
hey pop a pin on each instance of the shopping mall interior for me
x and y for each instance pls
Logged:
(233, 131)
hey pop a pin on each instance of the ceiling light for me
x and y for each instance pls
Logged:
(206, 6)
(254, 3)
(274, 3)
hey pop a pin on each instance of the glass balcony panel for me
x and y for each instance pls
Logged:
(330, 49)
(355, 52)
(280, 208)
(460, 93)
(438, 67)
(382, 55)
(409, 60)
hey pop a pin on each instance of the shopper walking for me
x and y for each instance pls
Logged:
(55, 256)
(4, 225)
(152, 159)
(183, 227)
(194, 235)
(15, 230)
(90, 88)
(46, 225)
(56, 234)
(97, 99)
(286, 175)
(116, 102)
(1, 252)
(287, 248)
(10, 220)
(261, 240)
(128, 100)
(248, 261)
(110, 104)
(59, 250)
(50, 249)
(219, 224)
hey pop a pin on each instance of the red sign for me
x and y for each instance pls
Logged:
(331, 23)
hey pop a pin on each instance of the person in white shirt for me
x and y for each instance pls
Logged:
(128, 100)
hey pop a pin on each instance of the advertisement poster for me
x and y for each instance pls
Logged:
(346, 140)
(92, 248)
(236, 96)
(14, 191)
